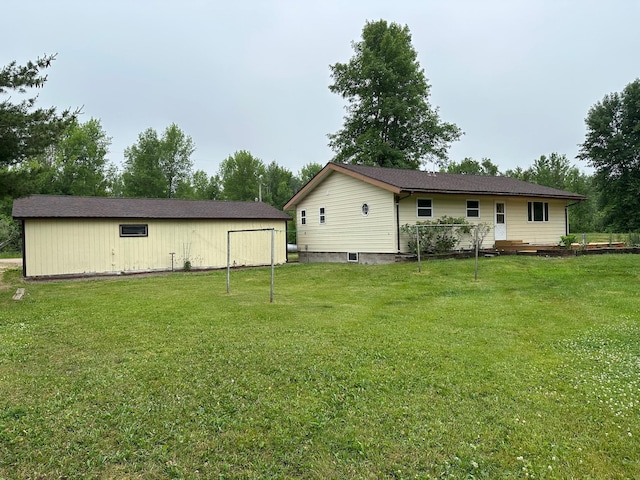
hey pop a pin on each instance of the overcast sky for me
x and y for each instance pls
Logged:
(518, 77)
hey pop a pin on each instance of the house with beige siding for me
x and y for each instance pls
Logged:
(84, 236)
(355, 212)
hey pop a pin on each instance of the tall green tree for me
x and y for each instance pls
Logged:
(307, 172)
(199, 186)
(389, 120)
(142, 175)
(176, 149)
(278, 184)
(470, 166)
(155, 166)
(612, 148)
(80, 158)
(25, 130)
(241, 176)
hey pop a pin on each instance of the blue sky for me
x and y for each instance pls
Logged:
(518, 77)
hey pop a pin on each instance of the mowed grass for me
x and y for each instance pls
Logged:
(532, 371)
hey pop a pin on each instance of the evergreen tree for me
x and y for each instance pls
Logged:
(26, 131)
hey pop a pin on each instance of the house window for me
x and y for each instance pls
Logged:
(538, 211)
(303, 217)
(425, 207)
(352, 257)
(322, 217)
(473, 208)
(133, 230)
(365, 209)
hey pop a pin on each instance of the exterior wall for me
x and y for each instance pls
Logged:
(518, 225)
(519, 228)
(92, 246)
(346, 229)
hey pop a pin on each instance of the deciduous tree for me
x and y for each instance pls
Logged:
(80, 160)
(612, 147)
(240, 175)
(142, 175)
(470, 166)
(155, 166)
(278, 184)
(389, 120)
(176, 149)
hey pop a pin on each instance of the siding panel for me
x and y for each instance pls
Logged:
(67, 247)
(346, 228)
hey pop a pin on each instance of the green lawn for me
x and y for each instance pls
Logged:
(354, 371)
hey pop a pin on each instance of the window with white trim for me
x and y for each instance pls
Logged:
(424, 207)
(322, 216)
(473, 208)
(303, 217)
(538, 211)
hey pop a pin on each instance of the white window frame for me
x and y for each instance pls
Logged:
(303, 217)
(418, 208)
(322, 215)
(472, 209)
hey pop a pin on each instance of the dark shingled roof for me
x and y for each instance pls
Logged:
(60, 206)
(435, 182)
(414, 181)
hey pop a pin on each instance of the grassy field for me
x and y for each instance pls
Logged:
(532, 371)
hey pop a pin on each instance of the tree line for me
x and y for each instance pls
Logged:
(156, 166)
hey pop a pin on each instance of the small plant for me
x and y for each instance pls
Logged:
(186, 248)
(567, 240)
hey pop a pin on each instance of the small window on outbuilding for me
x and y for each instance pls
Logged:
(137, 230)
(303, 217)
(322, 215)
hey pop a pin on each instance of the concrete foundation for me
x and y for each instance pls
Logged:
(347, 257)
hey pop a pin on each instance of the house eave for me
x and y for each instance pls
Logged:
(578, 198)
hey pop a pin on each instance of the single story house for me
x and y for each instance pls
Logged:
(77, 236)
(355, 212)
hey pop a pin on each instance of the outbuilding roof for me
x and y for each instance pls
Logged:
(398, 181)
(63, 206)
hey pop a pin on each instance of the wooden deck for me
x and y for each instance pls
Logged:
(524, 247)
